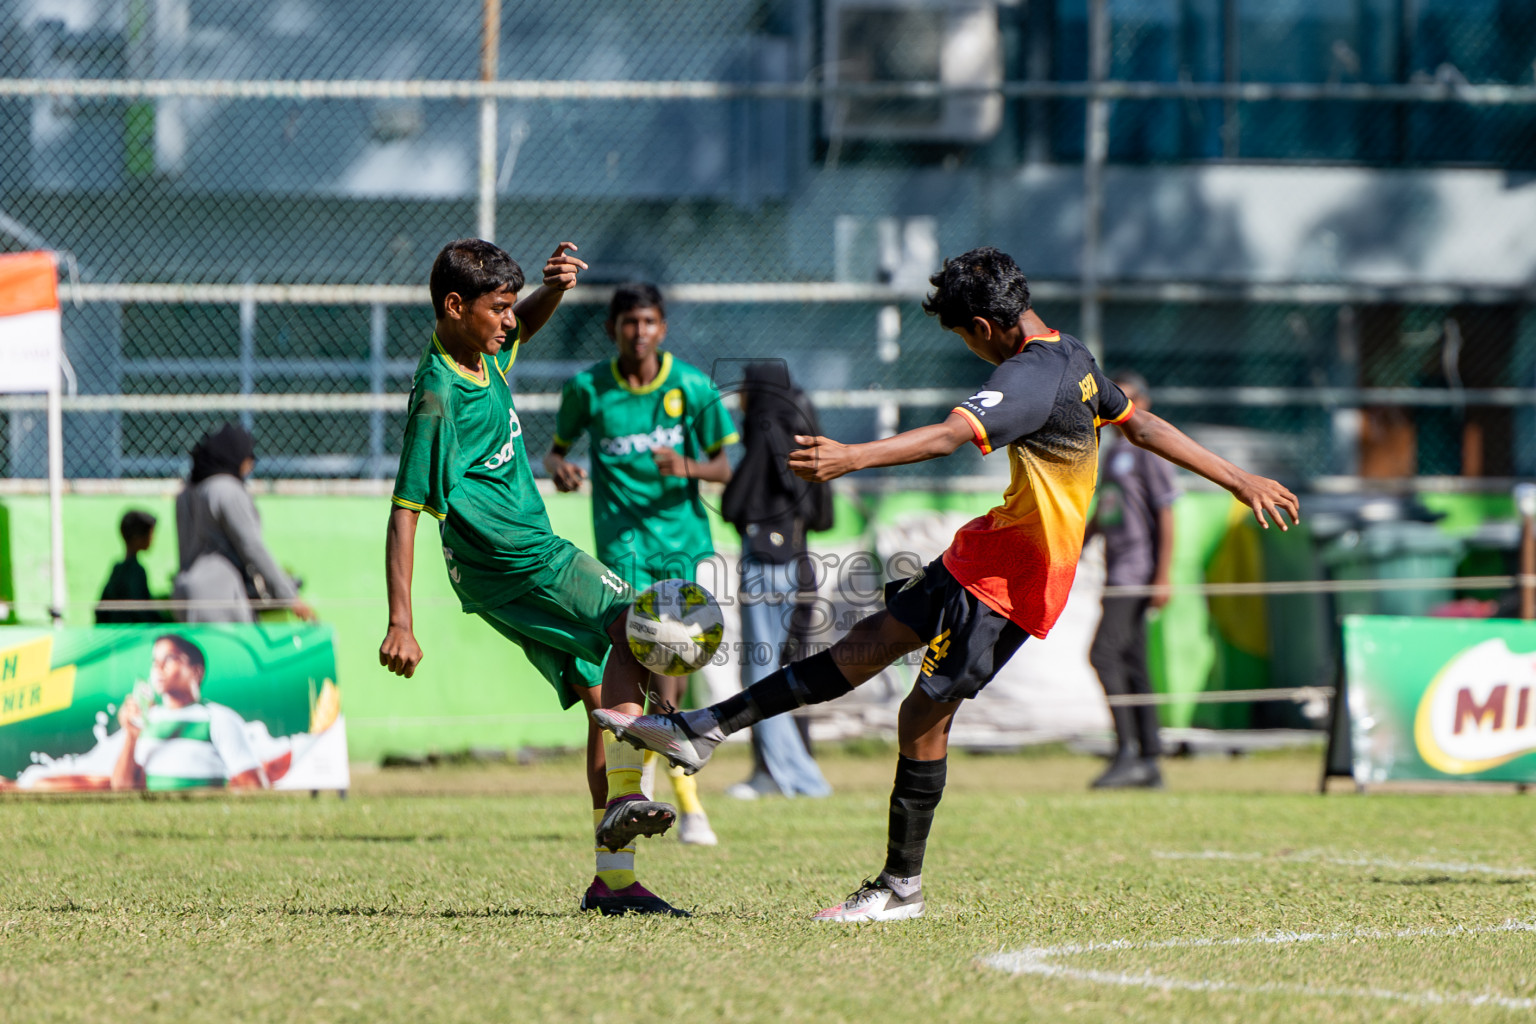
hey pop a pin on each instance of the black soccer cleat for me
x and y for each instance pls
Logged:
(1130, 773)
(632, 899)
(630, 817)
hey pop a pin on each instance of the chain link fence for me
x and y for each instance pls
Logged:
(1314, 228)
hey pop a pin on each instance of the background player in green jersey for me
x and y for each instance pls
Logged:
(464, 463)
(657, 427)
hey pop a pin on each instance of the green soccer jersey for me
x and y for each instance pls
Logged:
(641, 518)
(463, 461)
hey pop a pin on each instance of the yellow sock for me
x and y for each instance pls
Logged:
(687, 789)
(624, 763)
(615, 868)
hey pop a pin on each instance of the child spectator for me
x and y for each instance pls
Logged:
(128, 581)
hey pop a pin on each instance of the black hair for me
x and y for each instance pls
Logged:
(635, 295)
(984, 282)
(1130, 378)
(222, 451)
(769, 395)
(472, 267)
(135, 525)
(188, 649)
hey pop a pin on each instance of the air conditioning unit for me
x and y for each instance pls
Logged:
(953, 42)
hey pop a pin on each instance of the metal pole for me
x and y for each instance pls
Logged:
(378, 338)
(1039, 20)
(247, 350)
(1407, 39)
(490, 60)
(1528, 568)
(1231, 74)
(1525, 504)
(1095, 152)
(56, 498)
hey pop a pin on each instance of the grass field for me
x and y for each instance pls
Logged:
(449, 894)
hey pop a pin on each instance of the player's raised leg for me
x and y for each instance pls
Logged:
(688, 738)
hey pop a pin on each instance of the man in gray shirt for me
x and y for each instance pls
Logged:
(1135, 517)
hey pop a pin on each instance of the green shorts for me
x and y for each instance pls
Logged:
(674, 567)
(562, 622)
(642, 574)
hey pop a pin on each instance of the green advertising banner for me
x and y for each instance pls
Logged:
(172, 707)
(1441, 699)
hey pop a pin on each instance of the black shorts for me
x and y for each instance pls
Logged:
(967, 641)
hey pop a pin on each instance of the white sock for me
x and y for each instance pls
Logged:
(648, 775)
(902, 887)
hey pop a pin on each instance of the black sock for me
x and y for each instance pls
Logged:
(919, 786)
(815, 680)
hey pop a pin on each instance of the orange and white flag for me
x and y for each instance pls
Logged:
(30, 328)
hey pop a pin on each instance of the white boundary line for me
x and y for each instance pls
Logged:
(1323, 857)
(1038, 961)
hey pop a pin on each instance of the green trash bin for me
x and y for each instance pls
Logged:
(1394, 550)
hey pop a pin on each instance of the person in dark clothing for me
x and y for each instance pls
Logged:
(772, 509)
(1135, 517)
(128, 581)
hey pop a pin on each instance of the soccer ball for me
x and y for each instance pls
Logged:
(674, 627)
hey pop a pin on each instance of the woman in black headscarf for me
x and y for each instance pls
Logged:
(772, 509)
(224, 563)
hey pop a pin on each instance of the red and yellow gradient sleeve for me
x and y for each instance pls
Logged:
(1130, 407)
(979, 431)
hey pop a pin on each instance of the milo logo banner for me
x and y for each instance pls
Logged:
(174, 707)
(1441, 698)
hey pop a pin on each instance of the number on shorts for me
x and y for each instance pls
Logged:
(938, 649)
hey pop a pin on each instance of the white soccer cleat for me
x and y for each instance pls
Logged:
(668, 735)
(693, 830)
(873, 902)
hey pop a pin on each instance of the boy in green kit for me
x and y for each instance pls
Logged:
(464, 463)
(657, 427)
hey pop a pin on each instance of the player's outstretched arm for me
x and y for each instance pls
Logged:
(566, 475)
(400, 653)
(1259, 493)
(538, 306)
(671, 462)
(824, 459)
